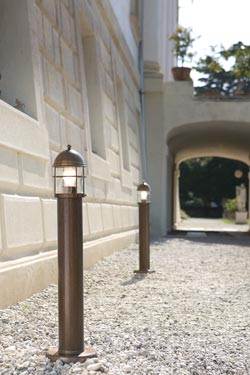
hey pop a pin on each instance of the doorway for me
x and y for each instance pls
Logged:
(212, 195)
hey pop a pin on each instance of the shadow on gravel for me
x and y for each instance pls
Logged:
(135, 279)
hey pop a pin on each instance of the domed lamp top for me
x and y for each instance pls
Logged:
(69, 158)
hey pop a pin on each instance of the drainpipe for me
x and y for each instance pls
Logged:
(142, 99)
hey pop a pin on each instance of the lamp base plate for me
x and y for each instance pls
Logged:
(53, 355)
(146, 271)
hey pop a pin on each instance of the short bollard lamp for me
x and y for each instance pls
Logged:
(69, 190)
(143, 191)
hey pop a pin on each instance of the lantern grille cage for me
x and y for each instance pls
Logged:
(143, 193)
(69, 180)
(143, 196)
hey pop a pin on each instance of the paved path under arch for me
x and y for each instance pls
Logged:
(210, 225)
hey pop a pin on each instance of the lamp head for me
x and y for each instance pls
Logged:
(143, 192)
(69, 174)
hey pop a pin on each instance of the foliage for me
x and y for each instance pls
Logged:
(241, 54)
(183, 43)
(241, 67)
(184, 215)
(207, 180)
(193, 201)
(215, 78)
(230, 205)
(225, 82)
(227, 221)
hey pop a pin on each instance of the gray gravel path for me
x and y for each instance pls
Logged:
(192, 316)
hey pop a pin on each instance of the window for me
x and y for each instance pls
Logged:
(16, 69)
(94, 92)
(122, 124)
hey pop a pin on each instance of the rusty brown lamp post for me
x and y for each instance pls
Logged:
(143, 191)
(69, 191)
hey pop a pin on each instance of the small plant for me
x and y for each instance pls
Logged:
(183, 43)
(184, 215)
(231, 205)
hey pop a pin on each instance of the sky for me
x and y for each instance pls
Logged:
(216, 22)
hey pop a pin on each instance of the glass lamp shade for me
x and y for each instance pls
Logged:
(69, 168)
(69, 180)
(69, 177)
(143, 192)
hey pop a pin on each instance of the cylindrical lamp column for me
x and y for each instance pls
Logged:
(143, 191)
(69, 190)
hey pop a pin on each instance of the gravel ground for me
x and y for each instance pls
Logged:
(192, 316)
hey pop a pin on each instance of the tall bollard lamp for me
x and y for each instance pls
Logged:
(143, 191)
(69, 190)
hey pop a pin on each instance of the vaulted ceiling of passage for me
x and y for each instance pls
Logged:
(222, 139)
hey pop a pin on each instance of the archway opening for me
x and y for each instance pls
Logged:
(213, 195)
(215, 140)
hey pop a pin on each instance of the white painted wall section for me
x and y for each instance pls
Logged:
(121, 9)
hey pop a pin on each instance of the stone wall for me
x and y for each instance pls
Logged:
(86, 87)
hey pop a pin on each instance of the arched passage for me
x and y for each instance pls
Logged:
(181, 126)
(209, 139)
(208, 187)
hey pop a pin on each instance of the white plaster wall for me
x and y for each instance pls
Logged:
(157, 154)
(160, 22)
(180, 95)
(107, 183)
(151, 37)
(122, 11)
(228, 118)
(28, 220)
(24, 147)
(23, 223)
(170, 8)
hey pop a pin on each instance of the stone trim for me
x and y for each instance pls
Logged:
(22, 278)
(19, 130)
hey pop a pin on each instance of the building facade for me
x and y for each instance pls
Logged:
(179, 125)
(69, 75)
